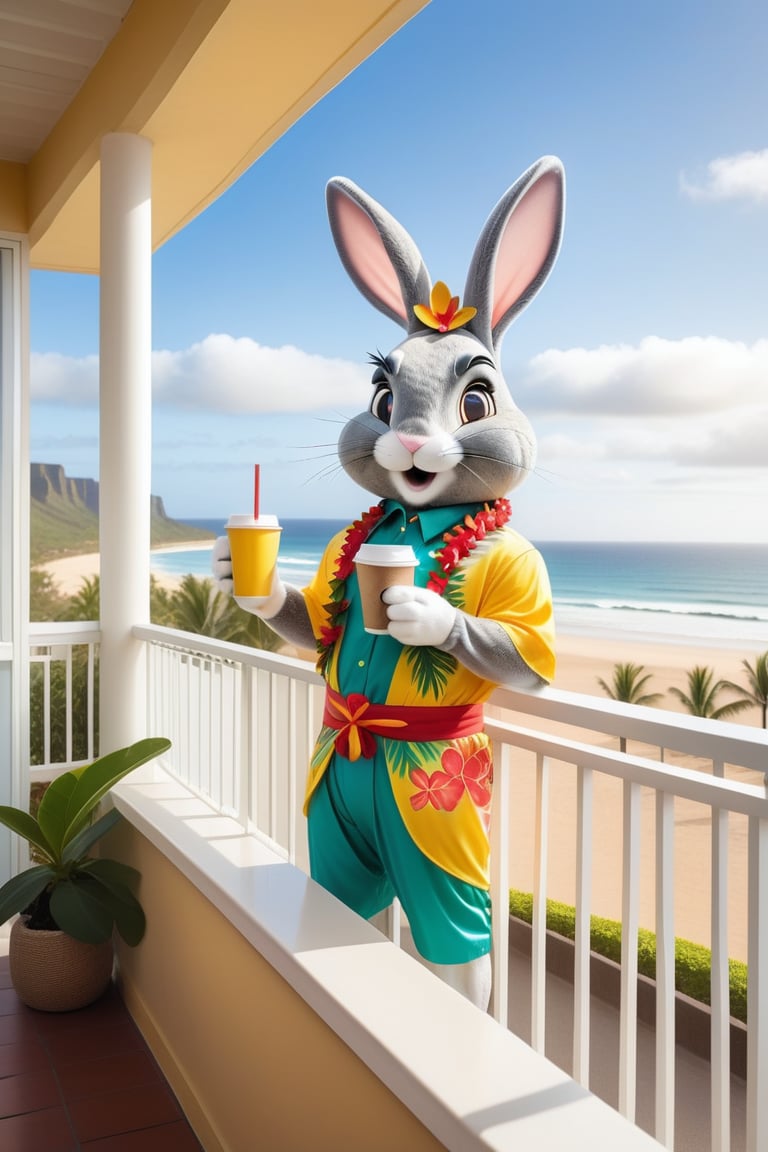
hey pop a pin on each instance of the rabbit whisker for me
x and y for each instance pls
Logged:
(463, 464)
(326, 473)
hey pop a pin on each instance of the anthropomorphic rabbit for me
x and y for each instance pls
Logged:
(399, 788)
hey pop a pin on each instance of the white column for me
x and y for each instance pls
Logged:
(125, 432)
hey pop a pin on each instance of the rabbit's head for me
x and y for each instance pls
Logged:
(442, 427)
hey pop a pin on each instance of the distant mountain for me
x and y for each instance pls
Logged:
(64, 516)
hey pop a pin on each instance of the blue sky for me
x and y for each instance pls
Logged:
(643, 362)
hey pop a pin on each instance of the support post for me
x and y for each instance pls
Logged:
(125, 432)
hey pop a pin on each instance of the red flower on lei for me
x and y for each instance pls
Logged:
(458, 542)
(462, 538)
(336, 608)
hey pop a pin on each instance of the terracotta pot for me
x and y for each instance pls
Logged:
(54, 972)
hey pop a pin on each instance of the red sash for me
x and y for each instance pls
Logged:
(359, 722)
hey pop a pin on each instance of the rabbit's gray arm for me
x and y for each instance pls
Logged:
(485, 648)
(292, 620)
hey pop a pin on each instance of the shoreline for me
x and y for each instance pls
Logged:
(583, 654)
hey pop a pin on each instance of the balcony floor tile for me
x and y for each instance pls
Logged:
(82, 1081)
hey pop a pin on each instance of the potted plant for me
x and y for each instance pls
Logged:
(60, 948)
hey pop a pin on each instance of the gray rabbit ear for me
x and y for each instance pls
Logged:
(377, 252)
(516, 250)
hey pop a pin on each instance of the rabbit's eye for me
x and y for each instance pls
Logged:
(381, 405)
(476, 404)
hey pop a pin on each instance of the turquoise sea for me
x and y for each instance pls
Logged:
(682, 593)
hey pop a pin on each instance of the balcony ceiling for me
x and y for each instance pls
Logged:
(213, 83)
(47, 50)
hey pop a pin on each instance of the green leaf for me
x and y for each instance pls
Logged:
(454, 589)
(80, 913)
(52, 813)
(96, 780)
(112, 872)
(431, 669)
(27, 827)
(83, 841)
(402, 755)
(325, 738)
(130, 920)
(19, 892)
(109, 887)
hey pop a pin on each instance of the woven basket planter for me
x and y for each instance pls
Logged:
(53, 972)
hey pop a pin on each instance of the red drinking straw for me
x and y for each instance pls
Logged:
(256, 491)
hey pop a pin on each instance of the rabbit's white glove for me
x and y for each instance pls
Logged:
(417, 615)
(264, 606)
(221, 564)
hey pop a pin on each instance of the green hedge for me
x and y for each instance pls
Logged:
(693, 962)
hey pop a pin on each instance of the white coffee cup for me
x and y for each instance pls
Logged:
(379, 566)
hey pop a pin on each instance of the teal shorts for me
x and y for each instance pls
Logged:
(361, 851)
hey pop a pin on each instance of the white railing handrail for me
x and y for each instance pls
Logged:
(240, 653)
(64, 632)
(664, 728)
(715, 791)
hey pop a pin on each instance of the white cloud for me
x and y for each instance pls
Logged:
(64, 379)
(239, 375)
(221, 373)
(657, 377)
(740, 177)
(734, 440)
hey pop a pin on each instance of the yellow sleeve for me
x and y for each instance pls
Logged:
(318, 592)
(516, 592)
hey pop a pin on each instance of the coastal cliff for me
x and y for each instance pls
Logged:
(64, 516)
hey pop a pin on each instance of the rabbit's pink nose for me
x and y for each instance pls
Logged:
(412, 443)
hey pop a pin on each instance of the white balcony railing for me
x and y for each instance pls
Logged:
(242, 724)
(63, 660)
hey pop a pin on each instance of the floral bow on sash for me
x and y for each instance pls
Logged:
(358, 723)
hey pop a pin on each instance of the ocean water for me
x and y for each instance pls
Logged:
(716, 595)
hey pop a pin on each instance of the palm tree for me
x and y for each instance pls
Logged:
(628, 683)
(757, 692)
(45, 598)
(199, 606)
(85, 604)
(701, 697)
(160, 605)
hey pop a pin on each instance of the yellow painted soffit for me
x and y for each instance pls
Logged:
(13, 197)
(213, 83)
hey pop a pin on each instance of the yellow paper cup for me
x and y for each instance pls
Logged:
(253, 546)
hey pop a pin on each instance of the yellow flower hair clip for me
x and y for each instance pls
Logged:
(443, 312)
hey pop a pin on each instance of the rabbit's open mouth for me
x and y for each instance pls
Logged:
(415, 478)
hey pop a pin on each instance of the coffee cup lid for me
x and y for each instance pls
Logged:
(387, 555)
(246, 521)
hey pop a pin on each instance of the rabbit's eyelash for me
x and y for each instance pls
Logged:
(378, 361)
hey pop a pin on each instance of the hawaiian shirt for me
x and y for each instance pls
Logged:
(442, 787)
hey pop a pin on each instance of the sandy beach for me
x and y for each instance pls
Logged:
(580, 661)
(68, 572)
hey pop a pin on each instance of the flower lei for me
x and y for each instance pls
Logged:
(458, 542)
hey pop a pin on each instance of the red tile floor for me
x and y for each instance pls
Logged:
(82, 1081)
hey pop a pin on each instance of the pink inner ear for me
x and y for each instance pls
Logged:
(525, 244)
(367, 255)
